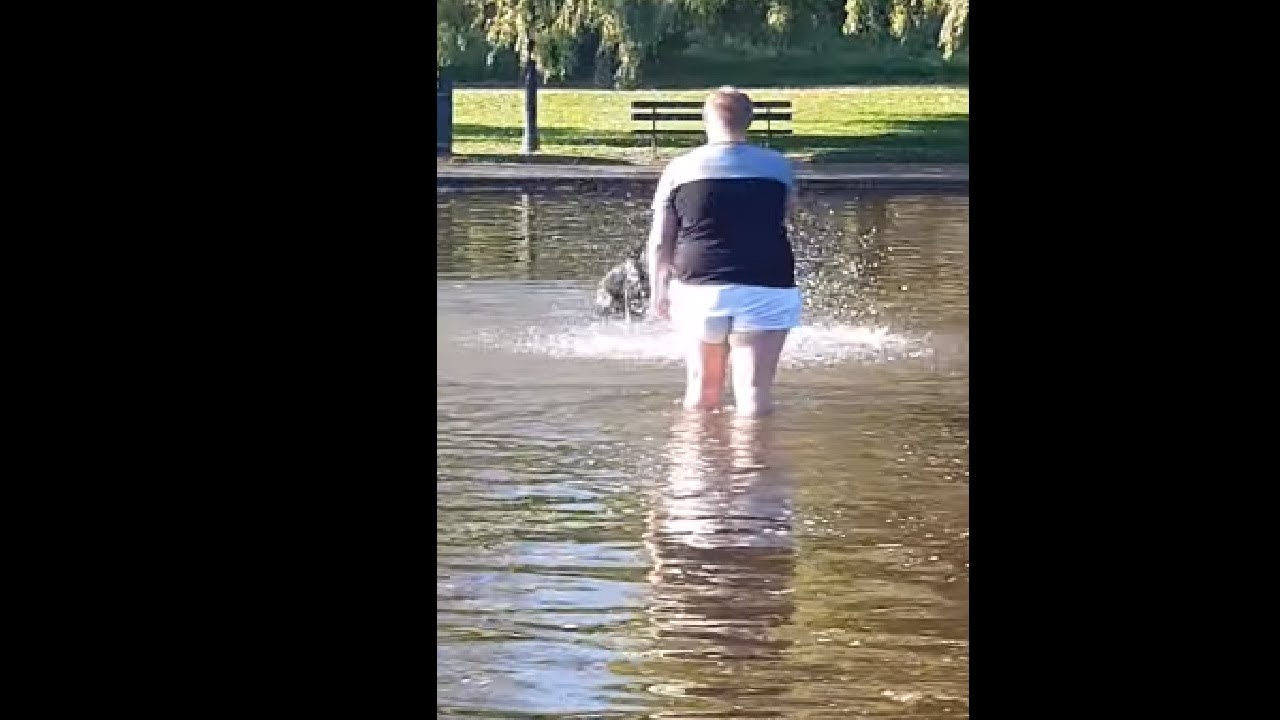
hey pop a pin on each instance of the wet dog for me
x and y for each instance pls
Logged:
(624, 290)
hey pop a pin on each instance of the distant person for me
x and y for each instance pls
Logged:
(720, 262)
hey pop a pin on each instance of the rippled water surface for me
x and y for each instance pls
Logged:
(603, 554)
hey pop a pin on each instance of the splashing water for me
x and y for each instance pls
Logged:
(808, 346)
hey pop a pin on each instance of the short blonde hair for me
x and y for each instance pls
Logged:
(730, 107)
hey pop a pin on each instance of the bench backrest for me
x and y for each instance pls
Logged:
(663, 110)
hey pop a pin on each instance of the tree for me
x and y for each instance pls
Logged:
(955, 27)
(941, 22)
(457, 25)
(545, 32)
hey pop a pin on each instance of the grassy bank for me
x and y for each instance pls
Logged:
(878, 124)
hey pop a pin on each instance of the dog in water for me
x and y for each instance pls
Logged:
(624, 290)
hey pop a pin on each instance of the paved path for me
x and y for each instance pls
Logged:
(923, 177)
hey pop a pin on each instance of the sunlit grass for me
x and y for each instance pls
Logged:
(880, 124)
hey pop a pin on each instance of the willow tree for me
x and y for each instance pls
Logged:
(543, 33)
(941, 22)
(457, 23)
(632, 30)
(546, 35)
(955, 27)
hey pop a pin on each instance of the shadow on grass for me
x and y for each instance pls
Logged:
(568, 136)
(538, 159)
(944, 138)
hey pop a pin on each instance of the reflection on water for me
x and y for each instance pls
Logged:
(601, 553)
(722, 568)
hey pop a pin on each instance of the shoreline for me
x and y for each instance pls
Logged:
(934, 177)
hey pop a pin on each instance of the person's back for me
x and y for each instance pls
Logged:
(721, 265)
(731, 201)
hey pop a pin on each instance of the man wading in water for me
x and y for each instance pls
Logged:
(720, 263)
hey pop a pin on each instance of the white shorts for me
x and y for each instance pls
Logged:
(712, 312)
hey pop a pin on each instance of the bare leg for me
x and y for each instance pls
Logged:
(754, 357)
(705, 364)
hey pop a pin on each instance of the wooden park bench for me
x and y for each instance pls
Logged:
(652, 112)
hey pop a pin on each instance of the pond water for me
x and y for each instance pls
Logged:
(602, 553)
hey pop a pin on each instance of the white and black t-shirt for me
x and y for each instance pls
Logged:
(731, 203)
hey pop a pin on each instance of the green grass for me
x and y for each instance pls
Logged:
(875, 124)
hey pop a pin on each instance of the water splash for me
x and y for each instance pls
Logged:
(815, 345)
